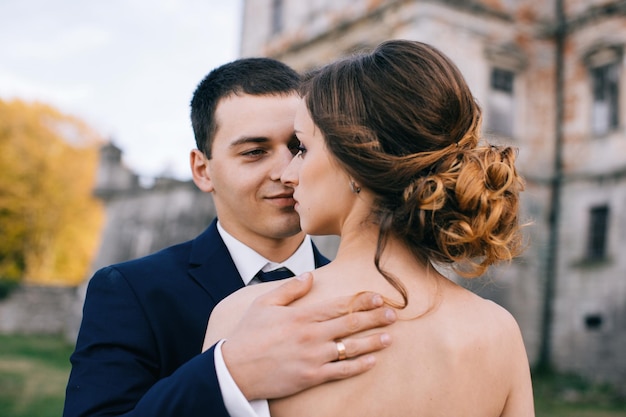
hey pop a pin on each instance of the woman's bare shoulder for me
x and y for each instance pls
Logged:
(228, 312)
(508, 356)
(501, 318)
(484, 316)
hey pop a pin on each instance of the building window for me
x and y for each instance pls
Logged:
(598, 228)
(593, 321)
(501, 109)
(605, 113)
(277, 16)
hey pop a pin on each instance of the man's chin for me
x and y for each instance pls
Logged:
(288, 229)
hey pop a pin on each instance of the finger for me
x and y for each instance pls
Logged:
(345, 369)
(344, 326)
(288, 292)
(340, 306)
(358, 346)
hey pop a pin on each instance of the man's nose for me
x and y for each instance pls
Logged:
(290, 173)
(283, 158)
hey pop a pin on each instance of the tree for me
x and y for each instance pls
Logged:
(49, 219)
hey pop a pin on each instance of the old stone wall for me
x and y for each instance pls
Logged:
(31, 309)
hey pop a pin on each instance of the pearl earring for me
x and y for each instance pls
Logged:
(354, 188)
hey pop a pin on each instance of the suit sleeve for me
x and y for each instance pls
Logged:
(115, 367)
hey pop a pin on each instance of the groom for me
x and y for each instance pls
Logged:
(138, 349)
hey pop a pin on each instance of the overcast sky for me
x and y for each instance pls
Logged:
(126, 67)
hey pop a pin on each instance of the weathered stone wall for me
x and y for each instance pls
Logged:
(31, 309)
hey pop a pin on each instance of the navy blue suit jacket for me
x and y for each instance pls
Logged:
(137, 352)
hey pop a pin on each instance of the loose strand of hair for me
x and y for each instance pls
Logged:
(381, 244)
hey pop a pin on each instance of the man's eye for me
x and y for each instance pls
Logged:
(254, 152)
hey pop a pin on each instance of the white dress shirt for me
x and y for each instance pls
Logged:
(248, 262)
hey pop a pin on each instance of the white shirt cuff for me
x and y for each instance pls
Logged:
(236, 403)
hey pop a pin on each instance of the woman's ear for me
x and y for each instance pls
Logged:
(200, 170)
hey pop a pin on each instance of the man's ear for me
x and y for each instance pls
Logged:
(200, 171)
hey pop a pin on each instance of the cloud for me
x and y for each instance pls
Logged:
(58, 46)
(13, 85)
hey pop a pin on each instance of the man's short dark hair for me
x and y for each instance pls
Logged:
(254, 76)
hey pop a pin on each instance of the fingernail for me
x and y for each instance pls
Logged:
(370, 360)
(303, 277)
(390, 315)
(385, 339)
(377, 300)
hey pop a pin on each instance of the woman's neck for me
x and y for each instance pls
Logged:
(356, 253)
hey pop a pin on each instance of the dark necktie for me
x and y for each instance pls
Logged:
(280, 273)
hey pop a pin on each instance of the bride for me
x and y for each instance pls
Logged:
(392, 161)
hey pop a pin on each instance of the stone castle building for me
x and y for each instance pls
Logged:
(550, 77)
(142, 220)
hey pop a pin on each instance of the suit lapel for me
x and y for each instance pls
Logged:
(320, 260)
(211, 265)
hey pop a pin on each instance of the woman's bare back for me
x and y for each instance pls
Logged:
(464, 358)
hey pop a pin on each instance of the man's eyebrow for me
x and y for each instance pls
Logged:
(247, 139)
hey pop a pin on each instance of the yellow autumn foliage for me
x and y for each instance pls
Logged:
(50, 222)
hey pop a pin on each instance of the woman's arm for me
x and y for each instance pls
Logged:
(520, 401)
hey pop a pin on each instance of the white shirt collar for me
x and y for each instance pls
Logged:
(248, 262)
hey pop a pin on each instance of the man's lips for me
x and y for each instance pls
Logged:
(283, 200)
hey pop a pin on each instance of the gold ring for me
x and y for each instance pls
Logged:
(341, 350)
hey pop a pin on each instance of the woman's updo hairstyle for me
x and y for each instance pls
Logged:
(404, 124)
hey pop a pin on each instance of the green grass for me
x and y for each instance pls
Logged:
(33, 375)
(573, 396)
(34, 371)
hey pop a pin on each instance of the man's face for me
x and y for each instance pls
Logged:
(253, 144)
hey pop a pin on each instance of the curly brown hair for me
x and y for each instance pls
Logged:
(403, 123)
